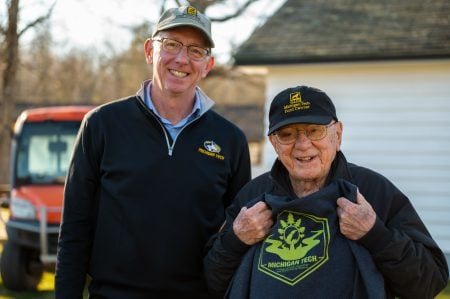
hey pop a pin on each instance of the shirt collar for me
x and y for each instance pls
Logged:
(194, 113)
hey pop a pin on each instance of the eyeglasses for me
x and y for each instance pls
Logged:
(289, 135)
(174, 47)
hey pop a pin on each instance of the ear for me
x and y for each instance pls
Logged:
(148, 50)
(208, 67)
(339, 130)
(274, 142)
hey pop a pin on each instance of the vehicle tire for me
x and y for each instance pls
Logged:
(20, 267)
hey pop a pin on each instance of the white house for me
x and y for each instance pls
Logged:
(386, 66)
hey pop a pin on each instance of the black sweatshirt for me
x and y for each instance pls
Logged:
(409, 260)
(139, 207)
(304, 248)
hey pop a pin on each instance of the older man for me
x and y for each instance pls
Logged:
(316, 226)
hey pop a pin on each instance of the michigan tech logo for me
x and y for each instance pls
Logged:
(296, 103)
(211, 149)
(298, 247)
(192, 11)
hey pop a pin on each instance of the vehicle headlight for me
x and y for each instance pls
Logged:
(21, 208)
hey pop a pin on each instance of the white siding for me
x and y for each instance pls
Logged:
(396, 121)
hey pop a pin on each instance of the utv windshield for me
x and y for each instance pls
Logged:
(43, 151)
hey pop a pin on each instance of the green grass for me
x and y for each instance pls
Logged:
(445, 294)
(45, 290)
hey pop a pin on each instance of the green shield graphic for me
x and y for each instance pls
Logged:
(298, 246)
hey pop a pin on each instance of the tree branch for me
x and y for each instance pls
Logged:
(236, 14)
(38, 20)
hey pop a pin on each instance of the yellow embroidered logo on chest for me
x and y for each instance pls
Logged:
(211, 149)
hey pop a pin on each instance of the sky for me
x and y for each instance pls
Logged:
(89, 24)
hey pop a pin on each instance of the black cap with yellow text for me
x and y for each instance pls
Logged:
(300, 104)
(185, 16)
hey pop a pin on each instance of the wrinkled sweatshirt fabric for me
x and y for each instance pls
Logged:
(305, 247)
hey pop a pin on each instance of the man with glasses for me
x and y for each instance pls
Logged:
(317, 226)
(151, 176)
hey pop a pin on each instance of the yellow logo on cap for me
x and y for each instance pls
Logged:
(296, 103)
(192, 11)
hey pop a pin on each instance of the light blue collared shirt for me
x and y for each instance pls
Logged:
(173, 130)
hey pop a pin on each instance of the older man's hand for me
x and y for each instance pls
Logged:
(355, 219)
(253, 224)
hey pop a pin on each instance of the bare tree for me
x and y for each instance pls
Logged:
(35, 76)
(11, 34)
(78, 77)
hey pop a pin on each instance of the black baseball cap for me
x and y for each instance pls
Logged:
(300, 104)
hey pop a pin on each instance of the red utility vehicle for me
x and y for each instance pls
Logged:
(42, 144)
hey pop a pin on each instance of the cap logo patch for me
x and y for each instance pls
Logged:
(296, 103)
(192, 11)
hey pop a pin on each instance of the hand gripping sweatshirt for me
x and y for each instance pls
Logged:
(305, 255)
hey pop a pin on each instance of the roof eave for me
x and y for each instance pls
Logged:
(251, 61)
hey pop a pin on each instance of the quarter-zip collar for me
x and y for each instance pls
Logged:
(205, 104)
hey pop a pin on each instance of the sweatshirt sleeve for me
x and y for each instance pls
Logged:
(222, 260)
(77, 223)
(411, 262)
(225, 250)
(241, 167)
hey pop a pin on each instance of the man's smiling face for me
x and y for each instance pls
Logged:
(177, 73)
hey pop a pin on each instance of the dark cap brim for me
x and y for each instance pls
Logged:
(317, 120)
